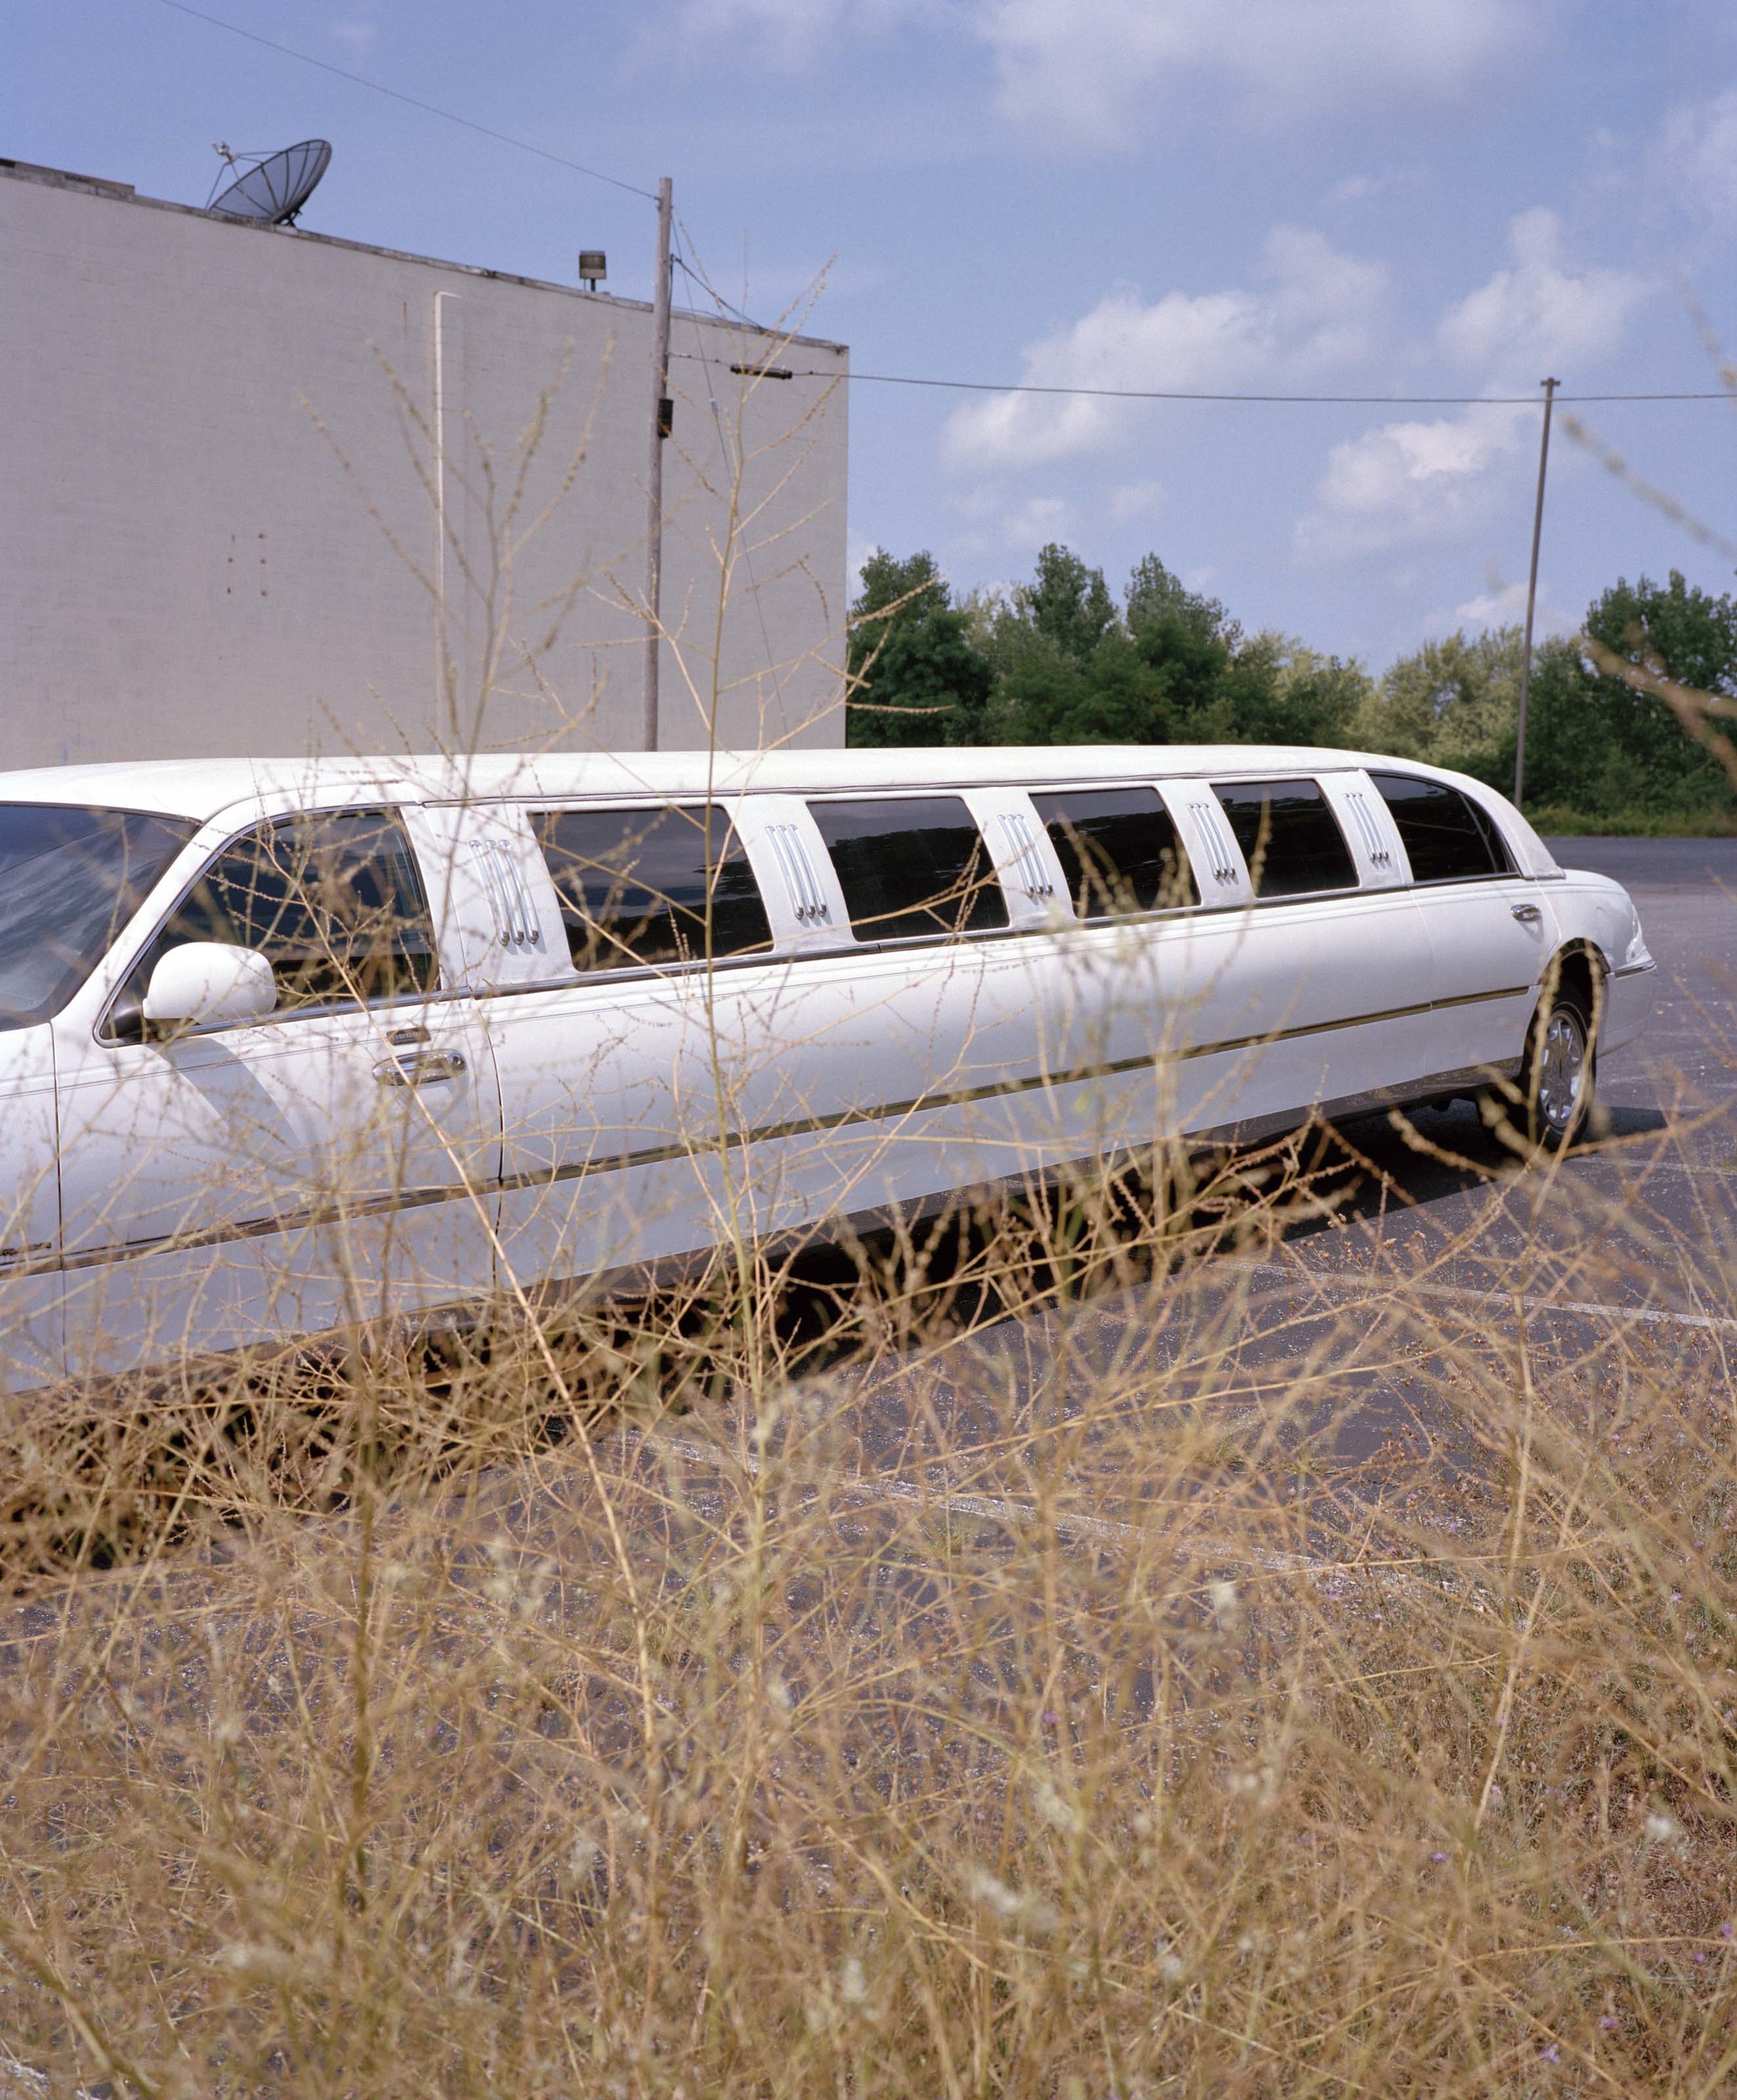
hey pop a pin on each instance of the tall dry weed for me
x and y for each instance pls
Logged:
(1208, 1628)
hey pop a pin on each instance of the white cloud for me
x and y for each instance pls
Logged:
(1323, 309)
(1419, 482)
(1355, 189)
(1365, 189)
(1504, 605)
(1698, 151)
(356, 36)
(1135, 499)
(795, 33)
(1036, 523)
(1408, 484)
(856, 551)
(1088, 70)
(1539, 313)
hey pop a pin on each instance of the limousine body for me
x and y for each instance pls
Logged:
(286, 1046)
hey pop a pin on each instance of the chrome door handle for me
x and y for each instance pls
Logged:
(1528, 914)
(420, 1068)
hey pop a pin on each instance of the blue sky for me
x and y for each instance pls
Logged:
(1369, 196)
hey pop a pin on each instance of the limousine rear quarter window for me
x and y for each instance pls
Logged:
(1118, 850)
(70, 878)
(1289, 836)
(1448, 838)
(333, 901)
(637, 886)
(909, 865)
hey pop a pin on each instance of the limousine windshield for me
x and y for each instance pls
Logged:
(70, 878)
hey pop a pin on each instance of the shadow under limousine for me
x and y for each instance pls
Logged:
(946, 1331)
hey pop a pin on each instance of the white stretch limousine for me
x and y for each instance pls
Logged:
(285, 1046)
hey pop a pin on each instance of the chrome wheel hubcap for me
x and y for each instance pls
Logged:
(1562, 1067)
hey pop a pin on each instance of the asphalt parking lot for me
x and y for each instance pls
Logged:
(1687, 892)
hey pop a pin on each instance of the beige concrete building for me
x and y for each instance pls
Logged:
(265, 491)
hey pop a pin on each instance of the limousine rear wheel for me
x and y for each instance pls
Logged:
(1559, 1074)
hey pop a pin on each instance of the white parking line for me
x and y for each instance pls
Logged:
(866, 1492)
(1584, 1309)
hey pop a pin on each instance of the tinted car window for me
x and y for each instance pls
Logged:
(1447, 837)
(638, 886)
(1289, 836)
(333, 901)
(911, 864)
(1118, 850)
(70, 878)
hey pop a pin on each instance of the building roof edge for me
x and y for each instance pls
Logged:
(99, 186)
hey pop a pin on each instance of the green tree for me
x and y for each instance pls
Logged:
(1693, 636)
(1289, 693)
(916, 674)
(1155, 595)
(1067, 604)
(1454, 701)
(1173, 668)
(1597, 746)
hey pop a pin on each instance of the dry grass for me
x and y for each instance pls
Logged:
(918, 1706)
(1283, 1659)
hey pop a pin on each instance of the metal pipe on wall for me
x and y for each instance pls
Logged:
(660, 429)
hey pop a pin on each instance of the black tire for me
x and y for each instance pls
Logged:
(1560, 1071)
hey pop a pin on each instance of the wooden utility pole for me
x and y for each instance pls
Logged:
(661, 417)
(1549, 386)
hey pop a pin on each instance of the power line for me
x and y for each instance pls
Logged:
(911, 379)
(397, 95)
(1166, 394)
(718, 299)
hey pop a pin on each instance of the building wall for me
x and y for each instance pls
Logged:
(262, 492)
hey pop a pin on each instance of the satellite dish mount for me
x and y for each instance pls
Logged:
(274, 187)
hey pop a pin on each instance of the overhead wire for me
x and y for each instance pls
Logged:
(414, 102)
(918, 379)
(1177, 393)
(717, 299)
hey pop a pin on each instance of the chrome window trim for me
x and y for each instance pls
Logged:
(808, 904)
(327, 1010)
(517, 925)
(1015, 828)
(649, 973)
(1223, 859)
(1380, 854)
(1452, 881)
(844, 944)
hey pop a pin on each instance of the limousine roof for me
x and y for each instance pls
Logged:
(202, 789)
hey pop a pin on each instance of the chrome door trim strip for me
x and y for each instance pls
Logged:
(368, 1206)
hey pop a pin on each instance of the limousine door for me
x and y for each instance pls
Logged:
(907, 1043)
(620, 1086)
(331, 1162)
(1490, 938)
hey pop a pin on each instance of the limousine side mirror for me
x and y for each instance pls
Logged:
(206, 982)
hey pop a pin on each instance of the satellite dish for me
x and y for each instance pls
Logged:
(275, 189)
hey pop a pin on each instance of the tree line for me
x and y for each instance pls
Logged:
(1061, 659)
